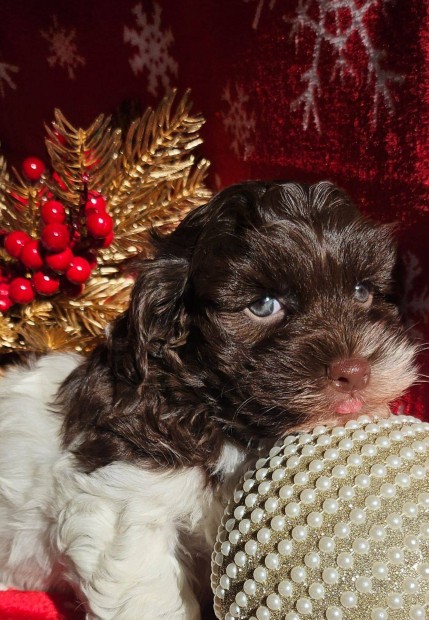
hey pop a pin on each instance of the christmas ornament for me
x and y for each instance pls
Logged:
(332, 525)
(67, 232)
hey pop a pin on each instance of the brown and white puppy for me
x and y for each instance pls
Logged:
(266, 310)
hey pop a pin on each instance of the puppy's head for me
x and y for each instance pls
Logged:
(267, 309)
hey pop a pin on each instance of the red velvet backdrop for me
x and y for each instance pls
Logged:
(296, 89)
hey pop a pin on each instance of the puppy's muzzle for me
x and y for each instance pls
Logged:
(349, 375)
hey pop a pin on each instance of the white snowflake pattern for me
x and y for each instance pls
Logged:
(258, 12)
(63, 48)
(338, 38)
(153, 48)
(238, 121)
(415, 300)
(5, 78)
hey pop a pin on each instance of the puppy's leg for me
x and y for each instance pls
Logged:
(126, 569)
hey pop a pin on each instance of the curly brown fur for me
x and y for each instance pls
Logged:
(187, 365)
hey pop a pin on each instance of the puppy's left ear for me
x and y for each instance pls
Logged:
(156, 322)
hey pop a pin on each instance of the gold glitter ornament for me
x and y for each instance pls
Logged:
(332, 525)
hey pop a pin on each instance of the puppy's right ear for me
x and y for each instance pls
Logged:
(156, 322)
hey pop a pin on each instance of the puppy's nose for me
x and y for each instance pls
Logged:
(349, 374)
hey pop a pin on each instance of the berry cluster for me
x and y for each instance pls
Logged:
(64, 256)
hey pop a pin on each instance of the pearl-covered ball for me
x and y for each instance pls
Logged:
(331, 525)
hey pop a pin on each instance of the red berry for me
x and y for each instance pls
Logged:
(55, 237)
(91, 257)
(21, 291)
(52, 212)
(95, 202)
(70, 289)
(79, 270)
(31, 255)
(45, 282)
(103, 243)
(60, 138)
(59, 261)
(33, 168)
(15, 241)
(99, 225)
(59, 181)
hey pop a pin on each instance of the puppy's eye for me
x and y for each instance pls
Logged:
(265, 307)
(363, 293)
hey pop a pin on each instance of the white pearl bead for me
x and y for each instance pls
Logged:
(357, 516)
(247, 485)
(278, 523)
(299, 533)
(363, 585)
(312, 559)
(410, 585)
(363, 481)
(285, 588)
(251, 500)
(354, 460)
(351, 424)
(278, 475)
(330, 506)
(263, 535)
(292, 510)
(234, 537)
(229, 525)
(410, 509)
(330, 575)
(327, 544)
(308, 450)
(394, 600)
(361, 546)
(275, 461)
(424, 530)
(323, 483)
(406, 453)
(244, 526)
(264, 487)
(323, 440)
(319, 430)
(237, 496)
(305, 438)
(334, 613)
(220, 592)
(345, 560)
(380, 570)
(225, 548)
(418, 472)
(378, 613)
(260, 463)
(393, 461)
(387, 490)
(251, 547)
(346, 493)
(412, 542)
(338, 431)
(403, 480)
(248, 474)
(423, 570)
(290, 450)
(317, 591)
(300, 478)
(315, 519)
(372, 502)
(292, 462)
(240, 559)
(257, 515)
(275, 450)
(348, 599)
(383, 442)
(285, 547)
(368, 450)
(232, 570)
(292, 616)
(239, 512)
(394, 520)
(298, 574)
(339, 471)
(241, 599)
(234, 610)
(417, 612)
(359, 435)
(286, 491)
(378, 470)
(272, 561)
(346, 444)
(260, 574)
(419, 446)
(263, 613)
(219, 559)
(342, 530)
(331, 454)
(304, 606)
(271, 504)
(274, 602)
(316, 466)
(395, 555)
(377, 532)
(249, 587)
(224, 582)
(308, 496)
(396, 435)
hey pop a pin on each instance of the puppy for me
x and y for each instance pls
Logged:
(266, 310)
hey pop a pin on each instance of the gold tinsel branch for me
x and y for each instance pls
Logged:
(149, 178)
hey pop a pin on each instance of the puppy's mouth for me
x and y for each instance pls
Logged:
(349, 405)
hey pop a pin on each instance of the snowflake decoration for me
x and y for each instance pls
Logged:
(338, 40)
(259, 11)
(415, 303)
(5, 79)
(238, 122)
(152, 44)
(63, 48)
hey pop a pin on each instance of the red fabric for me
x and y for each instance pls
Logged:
(304, 89)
